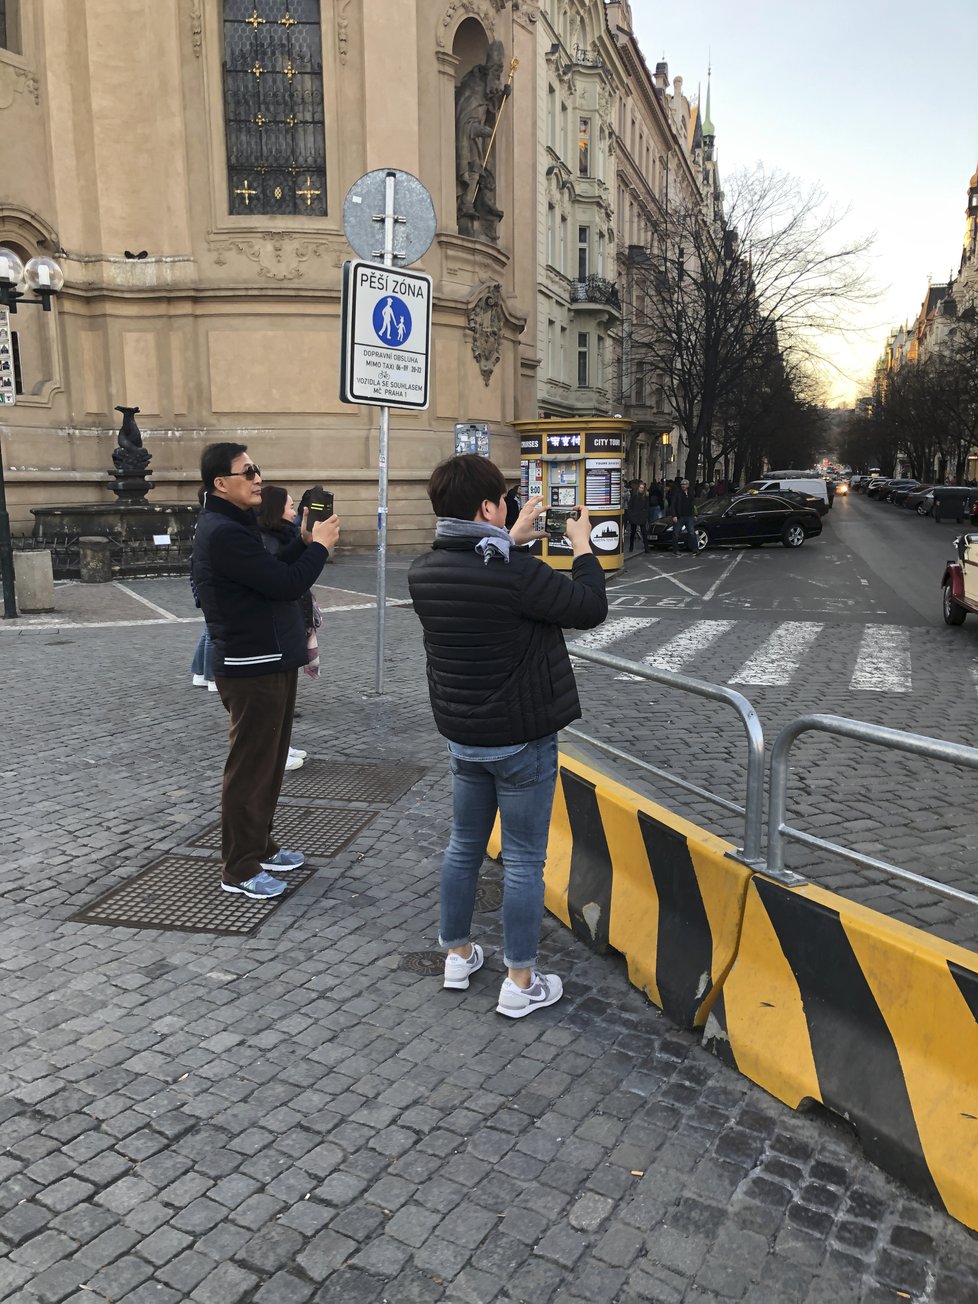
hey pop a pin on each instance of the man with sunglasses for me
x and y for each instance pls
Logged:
(249, 600)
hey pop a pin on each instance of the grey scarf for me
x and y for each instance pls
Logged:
(491, 541)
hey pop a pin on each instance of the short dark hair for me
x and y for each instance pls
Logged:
(216, 460)
(459, 486)
(273, 500)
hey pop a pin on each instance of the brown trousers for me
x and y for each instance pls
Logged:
(258, 746)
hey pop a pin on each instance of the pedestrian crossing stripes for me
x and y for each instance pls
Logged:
(778, 660)
(612, 631)
(879, 656)
(883, 663)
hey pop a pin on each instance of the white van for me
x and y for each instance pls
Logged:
(813, 486)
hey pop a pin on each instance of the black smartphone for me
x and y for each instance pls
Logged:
(320, 504)
(555, 521)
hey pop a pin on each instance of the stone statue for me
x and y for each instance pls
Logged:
(130, 459)
(478, 98)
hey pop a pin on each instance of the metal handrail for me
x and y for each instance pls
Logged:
(753, 808)
(916, 744)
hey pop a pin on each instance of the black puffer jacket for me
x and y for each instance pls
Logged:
(498, 670)
(249, 598)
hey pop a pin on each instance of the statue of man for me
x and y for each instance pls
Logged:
(478, 97)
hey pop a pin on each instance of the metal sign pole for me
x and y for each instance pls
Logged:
(388, 220)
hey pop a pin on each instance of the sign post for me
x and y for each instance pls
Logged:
(386, 323)
(8, 396)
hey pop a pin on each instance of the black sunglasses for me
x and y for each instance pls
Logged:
(249, 473)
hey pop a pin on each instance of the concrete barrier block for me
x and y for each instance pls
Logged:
(832, 1002)
(34, 581)
(625, 873)
(95, 559)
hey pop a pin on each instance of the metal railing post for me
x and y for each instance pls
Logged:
(753, 808)
(935, 749)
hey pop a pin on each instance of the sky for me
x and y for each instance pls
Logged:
(876, 101)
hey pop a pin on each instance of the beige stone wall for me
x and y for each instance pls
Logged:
(113, 140)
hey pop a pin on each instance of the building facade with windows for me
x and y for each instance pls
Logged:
(619, 146)
(186, 164)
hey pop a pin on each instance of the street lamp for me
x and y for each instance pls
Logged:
(40, 278)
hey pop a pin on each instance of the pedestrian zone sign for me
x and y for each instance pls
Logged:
(386, 335)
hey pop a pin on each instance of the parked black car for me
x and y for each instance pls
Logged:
(877, 486)
(920, 500)
(897, 490)
(754, 519)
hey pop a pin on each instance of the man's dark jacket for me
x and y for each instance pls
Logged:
(248, 596)
(498, 670)
(682, 504)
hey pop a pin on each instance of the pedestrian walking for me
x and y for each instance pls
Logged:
(501, 686)
(637, 515)
(249, 600)
(683, 518)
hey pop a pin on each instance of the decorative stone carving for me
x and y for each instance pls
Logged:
(469, 9)
(279, 255)
(196, 27)
(342, 31)
(131, 460)
(485, 321)
(17, 81)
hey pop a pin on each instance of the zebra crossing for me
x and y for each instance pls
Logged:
(878, 656)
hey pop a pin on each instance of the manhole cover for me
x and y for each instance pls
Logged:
(183, 894)
(428, 963)
(489, 895)
(313, 832)
(342, 781)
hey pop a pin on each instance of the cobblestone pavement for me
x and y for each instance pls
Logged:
(292, 1116)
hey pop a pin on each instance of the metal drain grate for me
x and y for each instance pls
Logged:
(314, 831)
(350, 781)
(427, 963)
(183, 894)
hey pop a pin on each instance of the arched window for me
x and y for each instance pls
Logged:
(273, 107)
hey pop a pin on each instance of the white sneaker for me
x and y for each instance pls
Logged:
(297, 751)
(457, 970)
(199, 681)
(515, 1002)
(211, 686)
(294, 763)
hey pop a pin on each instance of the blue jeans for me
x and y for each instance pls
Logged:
(687, 523)
(521, 787)
(203, 662)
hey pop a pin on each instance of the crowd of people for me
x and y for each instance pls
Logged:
(674, 500)
(500, 680)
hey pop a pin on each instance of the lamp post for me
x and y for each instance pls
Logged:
(40, 278)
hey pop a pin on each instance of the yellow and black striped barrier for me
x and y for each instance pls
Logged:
(831, 1002)
(626, 873)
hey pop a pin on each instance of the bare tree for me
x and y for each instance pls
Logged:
(710, 301)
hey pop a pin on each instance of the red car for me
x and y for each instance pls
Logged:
(960, 582)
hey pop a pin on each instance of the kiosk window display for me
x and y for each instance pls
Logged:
(570, 462)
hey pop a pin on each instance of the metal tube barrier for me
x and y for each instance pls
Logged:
(916, 744)
(753, 808)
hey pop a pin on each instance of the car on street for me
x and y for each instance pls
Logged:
(877, 486)
(842, 487)
(897, 490)
(920, 500)
(752, 518)
(959, 584)
(779, 484)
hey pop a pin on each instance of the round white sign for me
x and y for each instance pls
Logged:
(606, 536)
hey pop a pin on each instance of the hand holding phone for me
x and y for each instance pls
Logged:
(555, 522)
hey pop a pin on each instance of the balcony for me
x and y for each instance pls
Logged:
(595, 292)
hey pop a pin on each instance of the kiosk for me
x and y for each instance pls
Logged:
(567, 461)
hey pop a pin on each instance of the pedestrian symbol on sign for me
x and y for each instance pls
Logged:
(392, 320)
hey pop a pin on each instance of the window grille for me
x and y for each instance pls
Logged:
(273, 107)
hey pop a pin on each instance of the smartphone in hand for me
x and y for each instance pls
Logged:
(319, 506)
